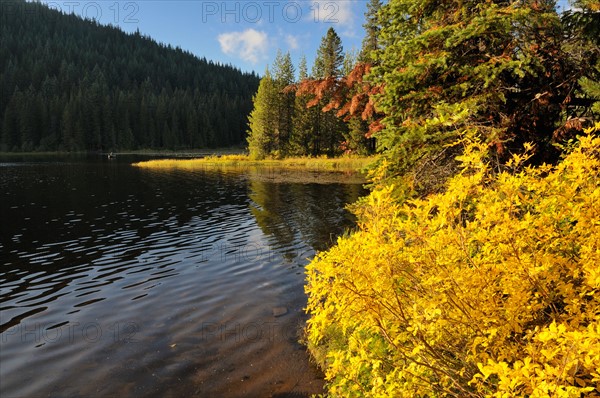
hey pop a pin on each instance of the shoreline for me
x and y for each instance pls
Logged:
(318, 164)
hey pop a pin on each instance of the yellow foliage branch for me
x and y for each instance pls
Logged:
(491, 288)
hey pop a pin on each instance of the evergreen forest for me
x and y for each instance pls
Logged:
(289, 119)
(71, 84)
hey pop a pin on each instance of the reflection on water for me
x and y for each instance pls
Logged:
(120, 281)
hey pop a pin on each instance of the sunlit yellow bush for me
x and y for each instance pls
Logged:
(489, 289)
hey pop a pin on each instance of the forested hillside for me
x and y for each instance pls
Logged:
(71, 84)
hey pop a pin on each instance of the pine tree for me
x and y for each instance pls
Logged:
(283, 76)
(371, 40)
(330, 56)
(302, 140)
(328, 66)
(264, 119)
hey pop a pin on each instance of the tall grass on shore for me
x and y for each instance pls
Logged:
(340, 164)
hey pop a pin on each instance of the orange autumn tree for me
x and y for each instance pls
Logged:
(349, 96)
(350, 99)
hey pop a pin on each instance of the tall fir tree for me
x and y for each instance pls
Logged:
(355, 140)
(329, 129)
(302, 140)
(330, 56)
(264, 119)
(370, 42)
(283, 76)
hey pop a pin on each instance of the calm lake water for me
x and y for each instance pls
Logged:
(117, 281)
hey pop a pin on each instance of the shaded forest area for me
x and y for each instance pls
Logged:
(71, 84)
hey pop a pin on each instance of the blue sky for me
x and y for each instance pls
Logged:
(244, 33)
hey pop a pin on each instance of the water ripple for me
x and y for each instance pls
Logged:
(98, 257)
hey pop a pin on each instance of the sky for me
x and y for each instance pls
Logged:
(243, 33)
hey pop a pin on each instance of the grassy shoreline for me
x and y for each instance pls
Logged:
(339, 164)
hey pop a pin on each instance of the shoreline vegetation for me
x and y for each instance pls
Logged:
(490, 288)
(314, 164)
(183, 153)
(320, 170)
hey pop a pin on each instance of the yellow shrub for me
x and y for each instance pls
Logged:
(489, 289)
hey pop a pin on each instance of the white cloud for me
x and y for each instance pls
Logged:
(292, 42)
(347, 17)
(332, 11)
(341, 14)
(250, 45)
(344, 13)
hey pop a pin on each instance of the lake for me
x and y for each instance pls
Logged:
(119, 281)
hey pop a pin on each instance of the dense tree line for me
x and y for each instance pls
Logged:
(71, 84)
(317, 125)
(286, 122)
(505, 72)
